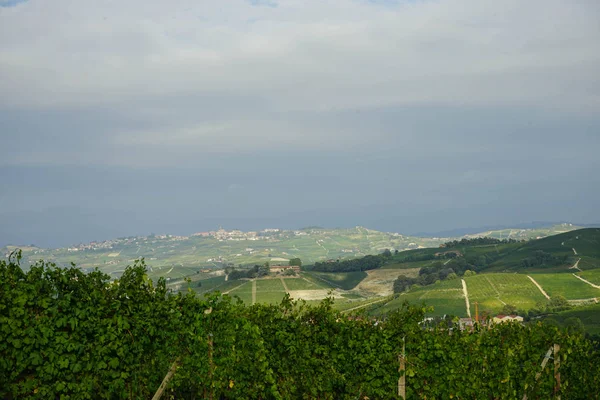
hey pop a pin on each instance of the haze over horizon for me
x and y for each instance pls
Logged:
(125, 118)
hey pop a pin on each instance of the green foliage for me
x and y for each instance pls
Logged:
(66, 334)
(542, 258)
(479, 241)
(295, 262)
(356, 264)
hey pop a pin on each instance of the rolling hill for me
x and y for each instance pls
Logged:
(175, 257)
(516, 272)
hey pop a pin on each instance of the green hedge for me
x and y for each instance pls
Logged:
(67, 334)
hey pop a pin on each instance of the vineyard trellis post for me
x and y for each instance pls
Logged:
(402, 370)
(557, 371)
(554, 349)
(166, 380)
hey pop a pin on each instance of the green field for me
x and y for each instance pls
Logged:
(269, 285)
(493, 291)
(244, 292)
(304, 284)
(565, 285)
(341, 280)
(446, 298)
(269, 291)
(592, 276)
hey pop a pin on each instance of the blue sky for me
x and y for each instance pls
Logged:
(133, 117)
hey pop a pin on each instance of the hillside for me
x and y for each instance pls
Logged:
(539, 277)
(494, 286)
(175, 257)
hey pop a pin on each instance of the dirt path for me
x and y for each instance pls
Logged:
(231, 288)
(586, 281)
(496, 290)
(284, 285)
(323, 247)
(576, 265)
(466, 293)
(254, 291)
(365, 305)
(583, 301)
(539, 287)
(574, 251)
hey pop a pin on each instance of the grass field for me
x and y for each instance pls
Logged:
(244, 292)
(592, 276)
(493, 291)
(269, 291)
(341, 280)
(565, 285)
(303, 284)
(446, 298)
(269, 297)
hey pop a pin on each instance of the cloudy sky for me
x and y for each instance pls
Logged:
(123, 117)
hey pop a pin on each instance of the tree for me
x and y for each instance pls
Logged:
(509, 309)
(387, 253)
(295, 262)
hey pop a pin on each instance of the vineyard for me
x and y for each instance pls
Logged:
(70, 335)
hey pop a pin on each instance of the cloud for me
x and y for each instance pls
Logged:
(364, 107)
(306, 55)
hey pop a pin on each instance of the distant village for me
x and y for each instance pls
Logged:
(221, 235)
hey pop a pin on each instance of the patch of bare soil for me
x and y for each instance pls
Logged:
(380, 282)
(318, 294)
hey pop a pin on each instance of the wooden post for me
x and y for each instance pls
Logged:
(557, 371)
(402, 371)
(166, 380)
(544, 362)
(210, 364)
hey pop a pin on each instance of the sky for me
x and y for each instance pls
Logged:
(122, 118)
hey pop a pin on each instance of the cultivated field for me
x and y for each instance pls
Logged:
(566, 285)
(493, 291)
(302, 283)
(446, 298)
(380, 282)
(593, 276)
(339, 280)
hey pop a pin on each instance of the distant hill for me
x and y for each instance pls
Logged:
(175, 257)
(512, 266)
(499, 229)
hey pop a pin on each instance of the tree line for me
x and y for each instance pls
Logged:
(478, 241)
(355, 264)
